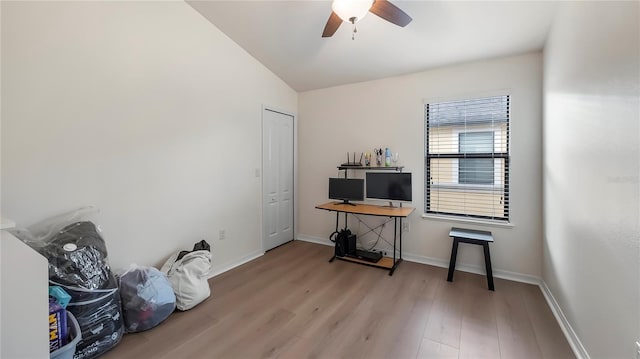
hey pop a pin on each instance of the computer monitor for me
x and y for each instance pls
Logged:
(390, 186)
(346, 189)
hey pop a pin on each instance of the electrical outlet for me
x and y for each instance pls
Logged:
(405, 227)
(222, 234)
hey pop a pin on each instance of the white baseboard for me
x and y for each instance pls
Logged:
(317, 240)
(571, 336)
(575, 343)
(235, 263)
(437, 262)
(497, 273)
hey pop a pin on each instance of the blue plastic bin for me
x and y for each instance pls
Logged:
(67, 351)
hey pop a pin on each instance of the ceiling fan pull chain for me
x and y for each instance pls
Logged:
(355, 29)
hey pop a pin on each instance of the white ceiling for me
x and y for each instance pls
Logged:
(286, 37)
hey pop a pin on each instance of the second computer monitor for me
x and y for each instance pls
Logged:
(389, 186)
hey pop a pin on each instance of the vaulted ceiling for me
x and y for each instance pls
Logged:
(286, 37)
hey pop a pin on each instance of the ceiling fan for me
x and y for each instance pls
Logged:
(354, 10)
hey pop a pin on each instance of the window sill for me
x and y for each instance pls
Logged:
(480, 222)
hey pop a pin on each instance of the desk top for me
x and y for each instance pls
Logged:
(370, 168)
(368, 209)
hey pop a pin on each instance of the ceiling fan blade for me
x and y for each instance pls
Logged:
(390, 12)
(332, 25)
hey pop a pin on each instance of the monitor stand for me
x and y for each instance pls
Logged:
(392, 206)
(346, 201)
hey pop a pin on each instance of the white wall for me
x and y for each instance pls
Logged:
(24, 308)
(591, 168)
(143, 109)
(389, 113)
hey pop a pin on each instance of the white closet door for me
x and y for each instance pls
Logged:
(277, 179)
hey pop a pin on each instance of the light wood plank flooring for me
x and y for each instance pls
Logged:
(292, 303)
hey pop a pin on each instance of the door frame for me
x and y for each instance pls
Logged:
(295, 172)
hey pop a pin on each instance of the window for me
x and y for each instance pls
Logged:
(475, 170)
(467, 158)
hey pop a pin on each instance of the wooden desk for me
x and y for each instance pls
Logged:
(367, 209)
(397, 213)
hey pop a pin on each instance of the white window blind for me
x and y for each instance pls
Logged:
(467, 158)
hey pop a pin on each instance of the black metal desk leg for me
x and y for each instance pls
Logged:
(400, 254)
(395, 261)
(394, 241)
(452, 261)
(396, 229)
(337, 224)
(487, 264)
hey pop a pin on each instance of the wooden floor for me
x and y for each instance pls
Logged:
(292, 303)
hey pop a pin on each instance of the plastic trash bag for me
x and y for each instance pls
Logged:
(188, 275)
(99, 316)
(147, 298)
(74, 247)
(40, 233)
(77, 256)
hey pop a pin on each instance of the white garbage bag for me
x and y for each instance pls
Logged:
(188, 277)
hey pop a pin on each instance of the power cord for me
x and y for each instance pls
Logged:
(379, 236)
(373, 229)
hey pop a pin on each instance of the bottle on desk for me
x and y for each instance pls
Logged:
(387, 157)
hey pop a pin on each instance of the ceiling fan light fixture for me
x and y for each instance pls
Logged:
(351, 10)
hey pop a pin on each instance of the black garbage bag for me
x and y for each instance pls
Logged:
(99, 315)
(77, 257)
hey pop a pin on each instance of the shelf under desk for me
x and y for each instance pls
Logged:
(397, 213)
(384, 262)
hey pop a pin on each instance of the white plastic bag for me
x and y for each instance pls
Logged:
(147, 297)
(188, 277)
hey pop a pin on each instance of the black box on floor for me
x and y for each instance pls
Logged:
(351, 244)
(345, 243)
(368, 256)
